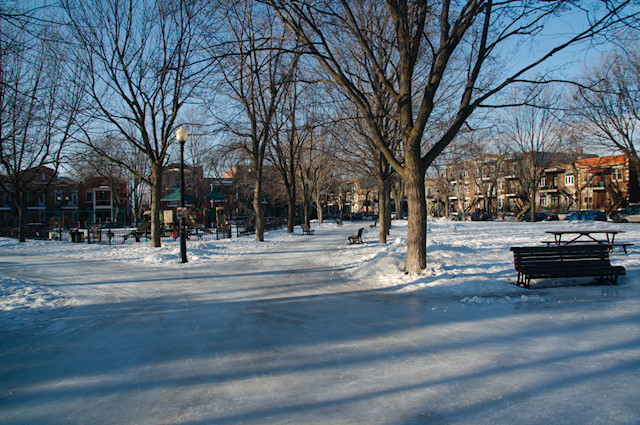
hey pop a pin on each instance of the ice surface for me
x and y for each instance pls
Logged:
(309, 330)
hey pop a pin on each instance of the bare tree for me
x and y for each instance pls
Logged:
(364, 156)
(284, 152)
(535, 137)
(38, 107)
(607, 106)
(257, 71)
(448, 59)
(314, 168)
(144, 64)
(125, 185)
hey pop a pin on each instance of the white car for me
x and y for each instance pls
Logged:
(631, 218)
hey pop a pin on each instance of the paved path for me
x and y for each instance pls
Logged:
(284, 338)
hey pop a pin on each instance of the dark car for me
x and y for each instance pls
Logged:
(593, 215)
(470, 216)
(539, 216)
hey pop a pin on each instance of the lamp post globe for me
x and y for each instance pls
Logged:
(181, 137)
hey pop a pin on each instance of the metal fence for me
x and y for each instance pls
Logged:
(119, 236)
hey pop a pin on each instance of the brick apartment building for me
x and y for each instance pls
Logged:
(491, 184)
(59, 201)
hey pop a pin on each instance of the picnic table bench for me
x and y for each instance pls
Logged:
(136, 234)
(535, 262)
(187, 234)
(601, 237)
(356, 237)
(306, 230)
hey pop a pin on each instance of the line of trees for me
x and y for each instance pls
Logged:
(383, 87)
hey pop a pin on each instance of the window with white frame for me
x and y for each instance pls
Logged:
(569, 180)
(74, 198)
(543, 182)
(617, 175)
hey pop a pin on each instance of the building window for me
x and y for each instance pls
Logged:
(74, 198)
(543, 182)
(42, 200)
(543, 201)
(616, 175)
(57, 196)
(569, 180)
(89, 197)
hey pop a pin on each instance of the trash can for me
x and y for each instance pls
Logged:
(77, 236)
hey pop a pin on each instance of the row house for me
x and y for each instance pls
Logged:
(603, 183)
(59, 201)
(492, 184)
(364, 196)
(469, 186)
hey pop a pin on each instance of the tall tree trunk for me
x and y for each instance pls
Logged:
(634, 164)
(257, 206)
(21, 206)
(399, 197)
(417, 226)
(384, 206)
(156, 195)
(305, 212)
(532, 204)
(319, 211)
(291, 208)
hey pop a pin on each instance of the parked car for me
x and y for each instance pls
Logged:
(618, 215)
(470, 216)
(593, 215)
(631, 218)
(539, 216)
(564, 214)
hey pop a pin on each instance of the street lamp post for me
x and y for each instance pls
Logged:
(181, 136)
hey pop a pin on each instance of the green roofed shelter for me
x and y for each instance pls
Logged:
(175, 196)
(215, 195)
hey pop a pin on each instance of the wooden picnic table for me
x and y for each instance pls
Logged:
(601, 237)
(582, 236)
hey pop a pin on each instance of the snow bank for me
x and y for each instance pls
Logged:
(28, 303)
(471, 260)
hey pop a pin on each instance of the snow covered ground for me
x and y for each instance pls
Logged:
(307, 329)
